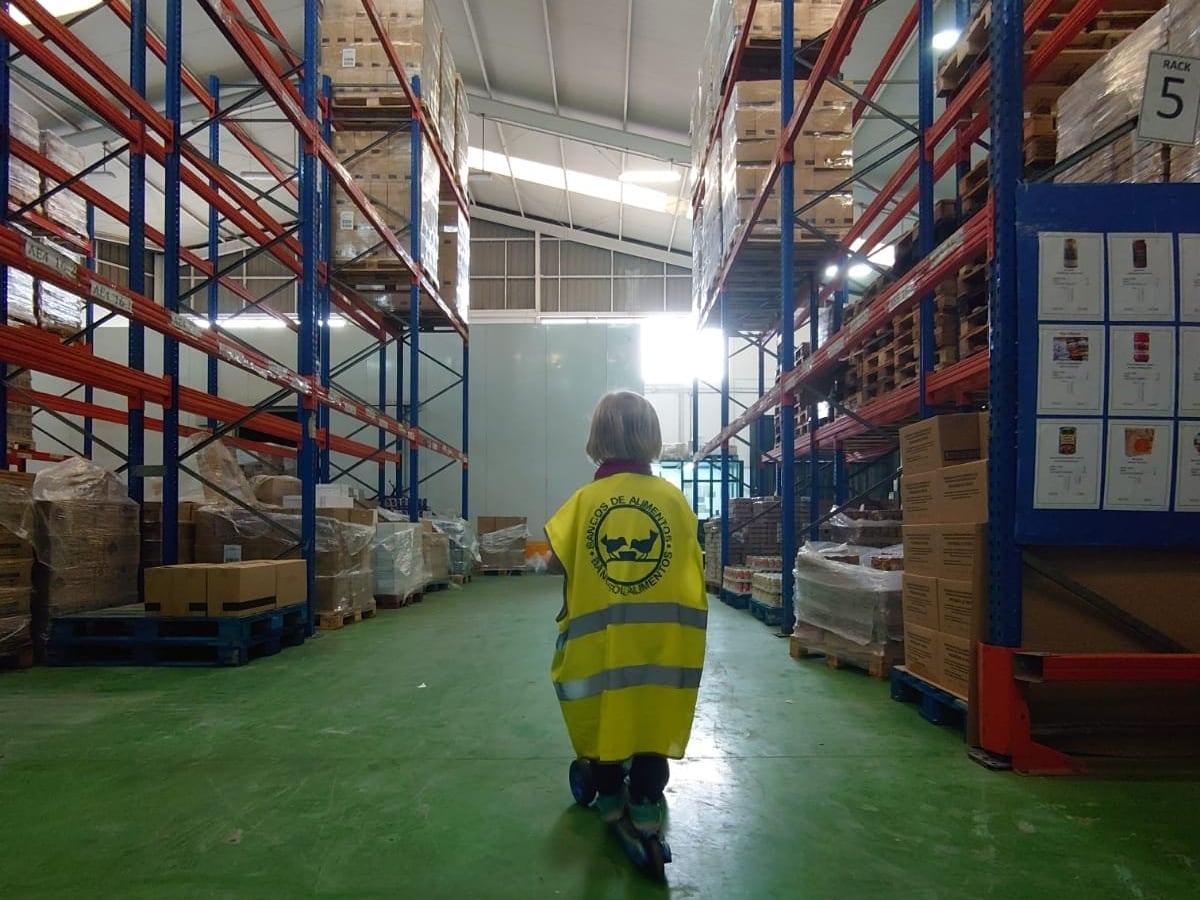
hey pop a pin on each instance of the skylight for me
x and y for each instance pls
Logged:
(582, 183)
(57, 8)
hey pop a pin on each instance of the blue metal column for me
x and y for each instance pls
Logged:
(137, 251)
(400, 417)
(1004, 560)
(172, 208)
(466, 429)
(5, 85)
(787, 309)
(962, 18)
(925, 185)
(414, 321)
(89, 311)
(308, 346)
(759, 488)
(325, 225)
(384, 434)
(724, 300)
(214, 237)
(695, 445)
(814, 412)
(841, 477)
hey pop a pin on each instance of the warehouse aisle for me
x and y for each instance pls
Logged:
(422, 756)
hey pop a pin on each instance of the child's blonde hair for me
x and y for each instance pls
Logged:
(624, 426)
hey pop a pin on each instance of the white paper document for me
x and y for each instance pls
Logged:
(1189, 371)
(1068, 464)
(1187, 468)
(1138, 470)
(1070, 369)
(1141, 278)
(1071, 277)
(1189, 278)
(1141, 360)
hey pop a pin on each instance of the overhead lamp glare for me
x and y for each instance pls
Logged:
(946, 39)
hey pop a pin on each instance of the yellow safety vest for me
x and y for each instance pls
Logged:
(631, 635)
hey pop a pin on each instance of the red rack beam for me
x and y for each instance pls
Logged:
(1106, 668)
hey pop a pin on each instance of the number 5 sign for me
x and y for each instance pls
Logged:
(1171, 102)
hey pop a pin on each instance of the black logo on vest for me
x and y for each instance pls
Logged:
(629, 543)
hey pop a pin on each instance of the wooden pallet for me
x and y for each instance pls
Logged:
(501, 572)
(936, 704)
(398, 601)
(334, 621)
(460, 580)
(973, 341)
(877, 666)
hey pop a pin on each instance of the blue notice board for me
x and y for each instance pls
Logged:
(1108, 421)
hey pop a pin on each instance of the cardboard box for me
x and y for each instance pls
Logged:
(176, 590)
(922, 650)
(291, 582)
(962, 552)
(917, 492)
(921, 551)
(241, 589)
(958, 604)
(954, 657)
(919, 601)
(985, 420)
(961, 494)
(940, 441)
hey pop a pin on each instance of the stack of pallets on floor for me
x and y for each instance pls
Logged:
(16, 571)
(961, 324)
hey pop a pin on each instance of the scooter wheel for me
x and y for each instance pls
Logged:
(583, 788)
(657, 857)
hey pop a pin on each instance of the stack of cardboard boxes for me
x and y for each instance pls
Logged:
(16, 566)
(225, 589)
(435, 548)
(945, 496)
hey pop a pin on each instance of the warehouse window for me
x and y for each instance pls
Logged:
(674, 352)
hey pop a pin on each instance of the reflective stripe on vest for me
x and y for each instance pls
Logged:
(634, 614)
(628, 677)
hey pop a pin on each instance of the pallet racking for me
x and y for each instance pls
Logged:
(988, 99)
(289, 78)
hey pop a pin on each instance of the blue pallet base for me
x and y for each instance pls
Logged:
(126, 636)
(766, 613)
(935, 705)
(737, 601)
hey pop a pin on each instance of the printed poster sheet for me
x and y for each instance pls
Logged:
(1187, 468)
(1141, 278)
(1071, 278)
(1189, 278)
(1069, 454)
(1189, 374)
(1138, 475)
(1141, 379)
(1071, 369)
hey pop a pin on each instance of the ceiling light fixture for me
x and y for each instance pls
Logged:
(831, 272)
(946, 39)
(649, 176)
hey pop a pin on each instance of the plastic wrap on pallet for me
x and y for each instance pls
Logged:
(505, 548)
(87, 538)
(446, 109)
(24, 181)
(271, 490)
(397, 559)
(462, 539)
(462, 125)
(1184, 29)
(219, 467)
(23, 127)
(58, 310)
(1106, 96)
(454, 258)
(65, 207)
(382, 168)
(344, 577)
(855, 602)
(20, 296)
(431, 186)
(867, 528)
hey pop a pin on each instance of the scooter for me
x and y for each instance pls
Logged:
(650, 853)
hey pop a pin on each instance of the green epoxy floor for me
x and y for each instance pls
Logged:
(421, 755)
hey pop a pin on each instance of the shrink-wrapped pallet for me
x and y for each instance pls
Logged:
(854, 601)
(16, 563)
(397, 559)
(87, 538)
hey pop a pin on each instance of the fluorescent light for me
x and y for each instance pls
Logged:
(831, 272)
(649, 176)
(946, 38)
(859, 271)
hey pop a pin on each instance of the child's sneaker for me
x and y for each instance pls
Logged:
(611, 807)
(647, 818)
